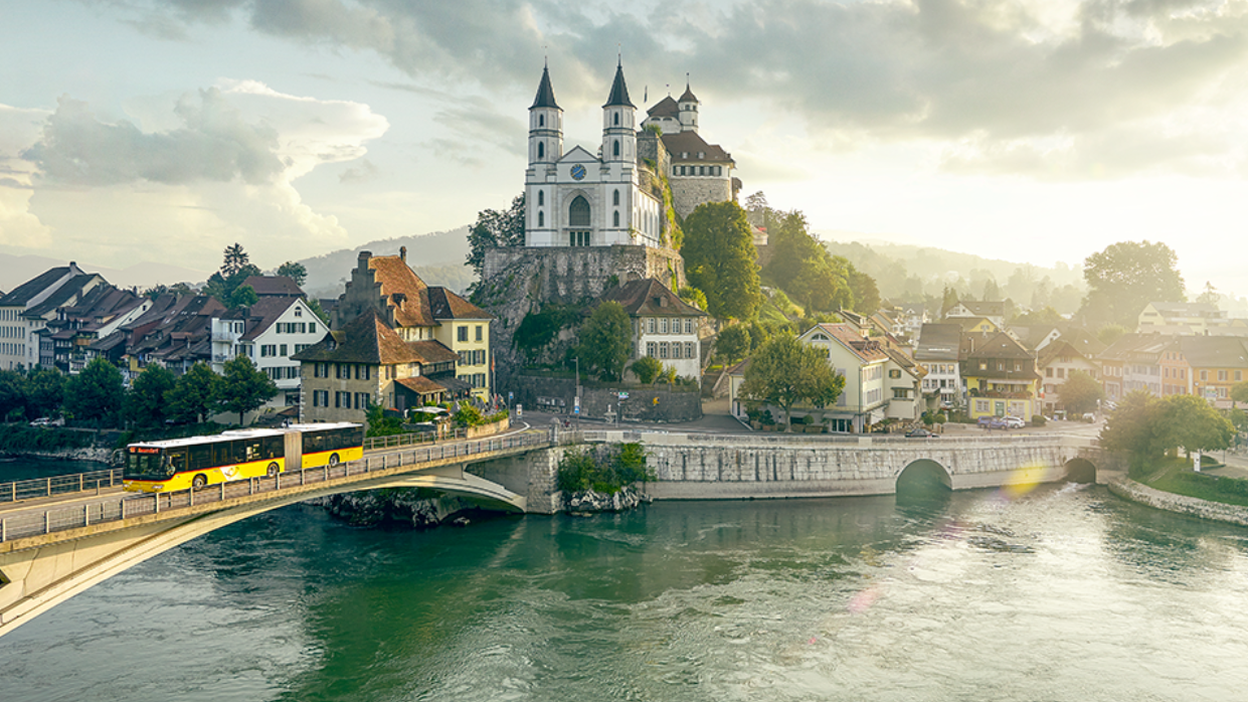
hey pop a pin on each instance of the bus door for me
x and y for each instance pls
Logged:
(294, 450)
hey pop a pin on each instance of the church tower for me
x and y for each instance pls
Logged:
(545, 124)
(619, 135)
(688, 105)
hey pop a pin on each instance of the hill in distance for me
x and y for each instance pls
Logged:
(15, 270)
(438, 258)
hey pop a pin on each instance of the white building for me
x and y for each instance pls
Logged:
(269, 333)
(699, 171)
(19, 346)
(664, 326)
(577, 198)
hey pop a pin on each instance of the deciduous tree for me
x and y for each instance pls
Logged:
(604, 341)
(95, 394)
(1080, 393)
(1191, 423)
(192, 396)
(145, 403)
(721, 261)
(1125, 277)
(45, 391)
(494, 229)
(784, 371)
(733, 343)
(243, 387)
(295, 271)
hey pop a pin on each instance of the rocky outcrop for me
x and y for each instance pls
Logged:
(592, 501)
(412, 507)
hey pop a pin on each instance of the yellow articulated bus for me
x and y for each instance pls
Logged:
(199, 461)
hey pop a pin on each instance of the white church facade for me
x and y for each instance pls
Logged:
(581, 199)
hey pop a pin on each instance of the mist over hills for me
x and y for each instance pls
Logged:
(15, 270)
(438, 258)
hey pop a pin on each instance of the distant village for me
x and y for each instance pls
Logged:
(602, 226)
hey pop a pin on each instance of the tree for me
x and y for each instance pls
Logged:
(234, 259)
(243, 387)
(733, 343)
(1134, 426)
(1239, 393)
(145, 404)
(692, 296)
(948, 300)
(784, 372)
(1210, 296)
(992, 292)
(866, 293)
(191, 398)
(315, 305)
(45, 391)
(1192, 423)
(1080, 393)
(95, 394)
(295, 271)
(604, 341)
(1110, 333)
(1046, 316)
(647, 369)
(12, 394)
(243, 296)
(495, 229)
(1125, 277)
(720, 259)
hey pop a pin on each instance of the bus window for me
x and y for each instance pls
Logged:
(200, 457)
(273, 447)
(222, 453)
(252, 450)
(176, 458)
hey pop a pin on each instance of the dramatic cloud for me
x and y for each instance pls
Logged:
(215, 144)
(1008, 74)
(18, 226)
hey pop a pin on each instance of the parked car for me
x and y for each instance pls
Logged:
(48, 422)
(1013, 422)
(921, 433)
(992, 422)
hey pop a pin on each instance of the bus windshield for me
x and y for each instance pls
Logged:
(147, 464)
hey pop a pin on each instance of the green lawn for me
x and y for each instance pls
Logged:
(1176, 475)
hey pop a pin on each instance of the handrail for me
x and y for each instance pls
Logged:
(129, 505)
(58, 485)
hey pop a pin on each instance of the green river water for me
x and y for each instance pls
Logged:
(1065, 593)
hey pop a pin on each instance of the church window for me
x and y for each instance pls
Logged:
(541, 198)
(617, 119)
(578, 212)
(615, 148)
(541, 150)
(615, 218)
(615, 198)
(541, 219)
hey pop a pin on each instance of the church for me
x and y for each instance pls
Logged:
(614, 197)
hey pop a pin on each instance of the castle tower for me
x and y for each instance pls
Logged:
(545, 124)
(619, 135)
(688, 105)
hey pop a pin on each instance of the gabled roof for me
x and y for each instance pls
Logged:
(545, 93)
(1082, 339)
(444, 304)
(867, 350)
(421, 385)
(432, 351)
(666, 107)
(366, 339)
(619, 91)
(578, 154)
(938, 342)
(969, 323)
(690, 142)
(273, 285)
(63, 295)
(1137, 346)
(1001, 345)
(1198, 309)
(404, 291)
(648, 297)
(267, 310)
(1214, 351)
(994, 308)
(1058, 349)
(22, 294)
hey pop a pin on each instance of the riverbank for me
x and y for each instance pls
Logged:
(1129, 489)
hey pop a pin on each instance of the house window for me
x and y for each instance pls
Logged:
(298, 311)
(663, 325)
(894, 373)
(689, 352)
(1221, 376)
(342, 371)
(900, 393)
(462, 333)
(615, 149)
(662, 349)
(651, 348)
(541, 150)
(282, 350)
(650, 325)
(311, 327)
(479, 331)
(676, 349)
(1204, 375)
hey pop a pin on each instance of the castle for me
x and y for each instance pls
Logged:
(579, 199)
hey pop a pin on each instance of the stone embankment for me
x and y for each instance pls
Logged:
(408, 506)
(1182, 504)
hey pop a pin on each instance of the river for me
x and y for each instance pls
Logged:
(1062, 593)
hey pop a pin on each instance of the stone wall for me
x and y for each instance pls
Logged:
(537, 392)
(1182, 504)
(689, 192)
(519, 280)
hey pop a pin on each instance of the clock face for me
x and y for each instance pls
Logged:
(578, 171)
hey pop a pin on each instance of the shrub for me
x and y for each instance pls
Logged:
(468, 416)
(606, 470)
(647, 369)
(1038, 420)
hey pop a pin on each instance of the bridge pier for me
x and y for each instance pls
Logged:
(531, 475)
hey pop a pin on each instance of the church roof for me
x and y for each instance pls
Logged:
(688, 96)
(666, 107)
(619, 91)
(545, 93)
(684, 147)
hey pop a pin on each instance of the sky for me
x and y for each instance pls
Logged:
(1029, 130)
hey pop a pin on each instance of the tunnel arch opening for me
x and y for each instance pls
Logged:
(1080, 470)
(923, 479)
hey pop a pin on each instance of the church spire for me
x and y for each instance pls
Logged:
(619, 91)
(545, 93)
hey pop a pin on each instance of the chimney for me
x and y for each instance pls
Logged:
(403, 254)
(363, 259)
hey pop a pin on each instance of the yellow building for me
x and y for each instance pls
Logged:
(1001, 377)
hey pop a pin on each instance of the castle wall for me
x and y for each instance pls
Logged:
(689, 192)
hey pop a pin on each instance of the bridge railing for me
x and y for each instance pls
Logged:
(60, 518)
(58, 485)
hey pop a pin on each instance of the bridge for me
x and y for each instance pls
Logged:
(60, 536)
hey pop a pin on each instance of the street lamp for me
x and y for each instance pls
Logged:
(576, 402)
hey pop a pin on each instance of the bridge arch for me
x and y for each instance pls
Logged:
(923, 476)
(1080, 470)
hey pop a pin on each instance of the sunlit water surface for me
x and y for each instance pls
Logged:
(1065, 593)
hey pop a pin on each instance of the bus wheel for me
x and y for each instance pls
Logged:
(272, 469)
(199, 482)
(333, 459)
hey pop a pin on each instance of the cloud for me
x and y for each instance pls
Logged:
(366, 172)
(19, 227)
(215, 144)
(226, 174)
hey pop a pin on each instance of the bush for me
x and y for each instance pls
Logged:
(1038, 420)
(468, 416)
(606, 470)
(647, 369)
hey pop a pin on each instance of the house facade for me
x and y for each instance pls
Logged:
(1055, 363)
(1001, 378)
(1217, 363)
(937, 352)
(664, 327)
(269, 333)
